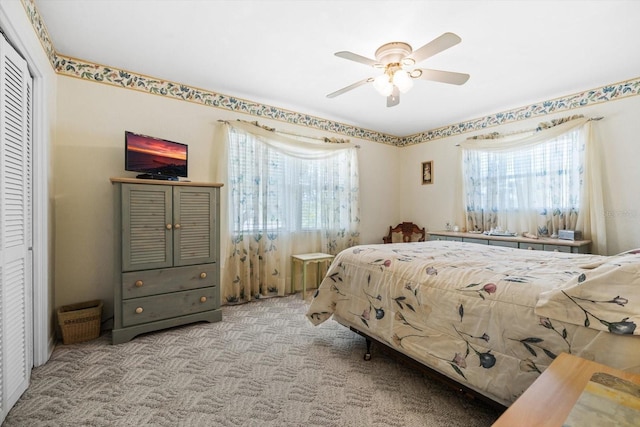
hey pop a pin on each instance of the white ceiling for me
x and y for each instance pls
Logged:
(281, 52)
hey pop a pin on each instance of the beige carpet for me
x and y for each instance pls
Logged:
(263, 365)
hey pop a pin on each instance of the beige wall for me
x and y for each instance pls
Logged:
(619, 137)
(89, 149)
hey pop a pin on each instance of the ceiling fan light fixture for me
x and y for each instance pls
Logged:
(383, 85)
(402, 80)
(408, 62)
(397, 60)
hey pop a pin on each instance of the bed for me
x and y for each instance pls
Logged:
(489, 318)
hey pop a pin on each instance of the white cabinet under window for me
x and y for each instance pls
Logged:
(16, 348)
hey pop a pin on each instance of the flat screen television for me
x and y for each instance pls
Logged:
(154, 158)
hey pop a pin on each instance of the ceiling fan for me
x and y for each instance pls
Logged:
(397, 60)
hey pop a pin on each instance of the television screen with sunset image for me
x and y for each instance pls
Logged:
(155, 157)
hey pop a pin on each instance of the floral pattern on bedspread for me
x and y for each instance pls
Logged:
(466, 310)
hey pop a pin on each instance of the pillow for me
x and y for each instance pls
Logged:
(630, 252)
(606, 298)
(605, 260)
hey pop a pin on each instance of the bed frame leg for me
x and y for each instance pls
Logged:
(367, 355)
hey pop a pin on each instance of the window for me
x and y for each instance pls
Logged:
(284, 197)
(274, 191)
(537, 188)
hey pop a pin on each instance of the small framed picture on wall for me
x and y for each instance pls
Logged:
(427, 172)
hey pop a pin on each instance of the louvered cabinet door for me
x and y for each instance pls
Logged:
(147, 225)
(194, 228)
(16, 351)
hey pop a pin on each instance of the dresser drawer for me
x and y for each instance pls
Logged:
(557, 248)
(158, 307)
(164, 280)
(531, 246)
(478, 241)
(447, 238)
(503, 243)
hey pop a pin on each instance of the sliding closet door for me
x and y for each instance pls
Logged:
(16, 345)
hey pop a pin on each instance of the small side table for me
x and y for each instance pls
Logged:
(307, 259)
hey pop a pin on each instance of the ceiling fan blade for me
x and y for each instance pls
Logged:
(444, 76)
(350, 87)
(436, 45)
(394, 98)
(357, 58)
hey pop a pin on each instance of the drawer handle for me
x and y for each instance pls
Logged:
(203, 275)
(169, 226)
(203, 299)
(139, 283)
(177, 226)
(139, 310)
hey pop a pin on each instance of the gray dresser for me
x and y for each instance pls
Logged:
(167, 255)
(541, 244)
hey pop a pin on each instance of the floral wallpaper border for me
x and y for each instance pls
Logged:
(78, 68)
(589, 97)
(103, 74)
(40, 28)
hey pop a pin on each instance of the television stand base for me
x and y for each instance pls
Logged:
(159, 177)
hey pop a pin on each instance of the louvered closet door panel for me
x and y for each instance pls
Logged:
(194, 231)
(15, 227)
(16, 331)
(147, 222)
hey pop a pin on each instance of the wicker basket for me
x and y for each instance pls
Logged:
(80, 322)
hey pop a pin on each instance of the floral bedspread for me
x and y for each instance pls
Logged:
(469, 310)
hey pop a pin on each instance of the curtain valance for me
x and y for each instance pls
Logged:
(291, 146)
(525, 140)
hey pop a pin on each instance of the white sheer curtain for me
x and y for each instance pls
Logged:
(285, 196)
(538, 182)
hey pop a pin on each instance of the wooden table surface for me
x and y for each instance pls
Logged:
(548, 401)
